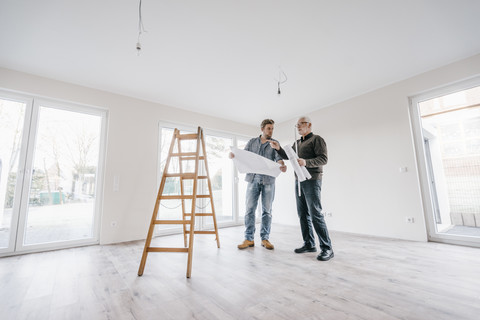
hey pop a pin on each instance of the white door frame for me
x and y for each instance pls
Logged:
(28, 101)
(20, 207)
(421, 159)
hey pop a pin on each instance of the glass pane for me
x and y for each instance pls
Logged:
(242, 184)
(169, 209)
(452, 124)
(61, 204)
(166, 135)
(220, 168)
(12, 115)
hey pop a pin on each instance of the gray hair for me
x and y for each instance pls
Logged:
(305, 118)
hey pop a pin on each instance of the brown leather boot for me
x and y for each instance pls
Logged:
(246, 244)
(267, 245)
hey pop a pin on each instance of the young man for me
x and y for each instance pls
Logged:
(312, 154)
(260, 184)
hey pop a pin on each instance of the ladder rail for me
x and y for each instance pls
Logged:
(194, 203)
(182, 191)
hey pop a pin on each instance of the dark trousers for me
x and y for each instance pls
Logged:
(309, 209)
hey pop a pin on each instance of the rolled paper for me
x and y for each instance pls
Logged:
(302, 172)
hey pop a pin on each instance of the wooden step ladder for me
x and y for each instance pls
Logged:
(188, 219)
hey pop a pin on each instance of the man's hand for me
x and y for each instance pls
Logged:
(302, 162)
(231, 155)
(283, 168)
(274, 144)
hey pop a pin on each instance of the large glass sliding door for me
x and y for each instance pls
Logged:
(447, 123)
(62, 188)
(50, 174)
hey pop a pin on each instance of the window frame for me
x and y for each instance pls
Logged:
(202, 223)
(33, 104)
(421, 155)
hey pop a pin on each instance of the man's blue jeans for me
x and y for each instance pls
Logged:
(309, 209)
(254, 190)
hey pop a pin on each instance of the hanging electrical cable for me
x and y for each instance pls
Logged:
(279, 80)
(141, 28)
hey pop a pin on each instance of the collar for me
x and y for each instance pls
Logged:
(308, 136)
(260, 139)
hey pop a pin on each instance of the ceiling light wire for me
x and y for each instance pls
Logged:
(141, 28)
(279, 80)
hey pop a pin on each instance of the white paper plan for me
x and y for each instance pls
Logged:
(302, 172)
(249, 162)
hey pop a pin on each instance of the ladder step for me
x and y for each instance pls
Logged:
(180, 154)
(185, 175)
(199, 214)
(188, 136)
(177, 197)
(188, 175)
(193, 177)
(157, 249)
(201, 232)
(171, 222)
(187, 155)
(192, 158)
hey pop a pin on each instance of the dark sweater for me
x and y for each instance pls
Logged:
(313, 149)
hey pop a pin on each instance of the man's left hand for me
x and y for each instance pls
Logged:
(302, 162)
(283, 168)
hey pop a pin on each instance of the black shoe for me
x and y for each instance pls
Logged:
(305, 249)
(325, 255)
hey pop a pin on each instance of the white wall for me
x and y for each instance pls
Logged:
(132, 147)
(369, 138)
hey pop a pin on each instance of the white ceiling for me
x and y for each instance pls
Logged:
(221, 57)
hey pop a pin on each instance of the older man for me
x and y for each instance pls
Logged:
(312, 154)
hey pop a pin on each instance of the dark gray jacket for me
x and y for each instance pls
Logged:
(313, 149)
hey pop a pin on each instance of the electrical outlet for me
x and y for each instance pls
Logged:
(113, 224)
(328, 214)
(409, 220)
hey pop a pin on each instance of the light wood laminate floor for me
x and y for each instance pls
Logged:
(369, 278)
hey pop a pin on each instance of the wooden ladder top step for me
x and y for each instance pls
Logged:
(187, 136)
